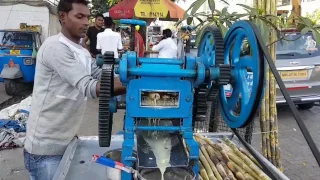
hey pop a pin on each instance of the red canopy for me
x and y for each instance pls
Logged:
(125, 10)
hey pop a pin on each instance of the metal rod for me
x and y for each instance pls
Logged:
(184, 73)
(132, 40)
(158, 128)
(160, 61)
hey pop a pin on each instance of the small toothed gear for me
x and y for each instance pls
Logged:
(106, 93)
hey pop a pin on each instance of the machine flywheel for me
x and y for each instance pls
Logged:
(251, 64)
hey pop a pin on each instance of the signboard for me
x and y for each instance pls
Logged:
(121, 13)
(228, 88)
(151, 9)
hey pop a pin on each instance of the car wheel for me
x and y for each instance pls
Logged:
(305, 106)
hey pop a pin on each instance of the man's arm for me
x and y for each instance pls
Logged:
(158, 47)
(98, 47)
(95, 70)
(119, 45)
(60, 58)
(119, 89)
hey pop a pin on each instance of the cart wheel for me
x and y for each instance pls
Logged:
(10, 86)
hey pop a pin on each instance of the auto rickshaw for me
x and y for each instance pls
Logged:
(18, 49)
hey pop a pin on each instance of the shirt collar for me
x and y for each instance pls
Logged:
(108, 30)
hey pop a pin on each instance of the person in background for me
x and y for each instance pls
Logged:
(167, 48)
(139, 43)
(92, 33)
(109, 40)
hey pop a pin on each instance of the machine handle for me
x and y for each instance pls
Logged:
(117, 165)
(110, 163)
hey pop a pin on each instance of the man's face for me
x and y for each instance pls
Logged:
(76, 22)
(99, 21)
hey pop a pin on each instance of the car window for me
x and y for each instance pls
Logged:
(297, 46)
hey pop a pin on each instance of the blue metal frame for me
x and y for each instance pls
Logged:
(151, 72)
(183, 75)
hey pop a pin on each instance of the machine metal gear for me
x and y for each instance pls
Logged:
(211, 50)
(106, 93)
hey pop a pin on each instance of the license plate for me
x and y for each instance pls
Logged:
(15, 52)
(294, 74)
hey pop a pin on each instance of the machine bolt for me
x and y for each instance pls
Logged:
(131, 98)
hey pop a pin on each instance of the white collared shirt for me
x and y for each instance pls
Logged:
(167, 48)
(109, 41)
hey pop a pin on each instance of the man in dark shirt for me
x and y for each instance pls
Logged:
(92, 35)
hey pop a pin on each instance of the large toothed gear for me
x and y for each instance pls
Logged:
(211, 51)
(106, 93)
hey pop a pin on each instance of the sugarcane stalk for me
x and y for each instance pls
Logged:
(242, 164)
(224, 146)
(207, 167)
(249, 163)
(247, 176)
(264, 148)
(272, 89)
(216, 161)
(278, 156)
(236, 170)
(203, 172)
(206, 155)
(250, 156)
(228, 171)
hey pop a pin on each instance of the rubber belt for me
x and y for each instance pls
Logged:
(292, 106)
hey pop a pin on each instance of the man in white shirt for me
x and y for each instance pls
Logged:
(109, 40)
(167, 48)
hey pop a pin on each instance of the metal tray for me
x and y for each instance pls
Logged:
(76, 162)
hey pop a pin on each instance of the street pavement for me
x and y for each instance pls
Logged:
(298, 161)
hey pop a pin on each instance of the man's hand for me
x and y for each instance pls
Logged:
(119, 89)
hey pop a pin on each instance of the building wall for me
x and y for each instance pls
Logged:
(307, 6)
(12, 15)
